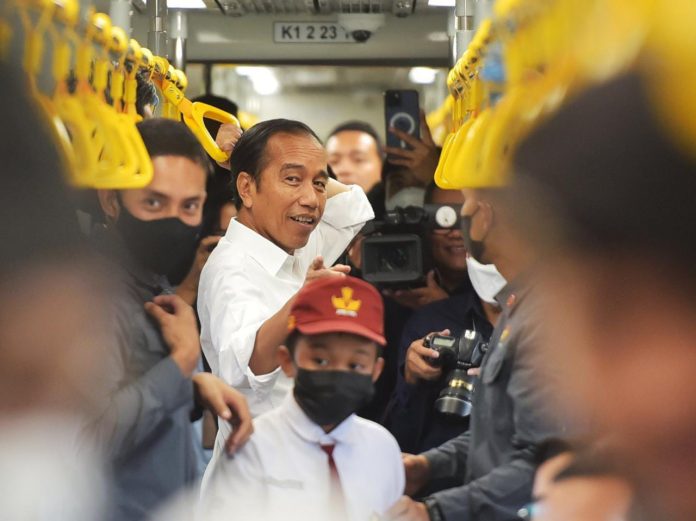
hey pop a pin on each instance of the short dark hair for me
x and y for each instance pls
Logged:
(360, 126)
(250, 151)
(167, 137)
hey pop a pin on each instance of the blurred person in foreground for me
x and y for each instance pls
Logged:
(312, 458)
(53, 327)
(579, 484)
(152, 390)
(513, 410)
(609, 198)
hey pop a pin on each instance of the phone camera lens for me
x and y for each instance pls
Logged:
(404, 122)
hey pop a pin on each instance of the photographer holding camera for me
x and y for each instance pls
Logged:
(397, 255)
(447, 251)
(413, 416)
(511, 415)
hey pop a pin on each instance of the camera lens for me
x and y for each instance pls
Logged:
(413, 215)
(455, 399)
(404, 122)
(394, 259)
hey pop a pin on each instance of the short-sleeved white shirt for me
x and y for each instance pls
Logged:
(282, 472)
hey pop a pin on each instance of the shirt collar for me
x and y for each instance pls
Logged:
(513, 292)
(310, 431)
(263, 251)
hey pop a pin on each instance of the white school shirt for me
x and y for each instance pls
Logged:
(283, 473)
(247, 279)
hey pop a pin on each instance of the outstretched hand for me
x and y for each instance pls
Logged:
(317, 270)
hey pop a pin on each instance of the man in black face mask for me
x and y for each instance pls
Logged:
(512, 412)
(312, 458)
(147, 399)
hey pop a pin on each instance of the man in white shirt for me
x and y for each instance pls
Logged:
(312, 458)
(293, 221)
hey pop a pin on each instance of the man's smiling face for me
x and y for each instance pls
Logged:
(288, 201)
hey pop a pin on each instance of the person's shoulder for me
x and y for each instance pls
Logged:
(375, 446)
(268, 419)
(270, 426)
(269, 432)
(376, 435)
(226, 254)
(225, 261)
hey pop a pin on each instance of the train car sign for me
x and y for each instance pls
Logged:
(310, 32)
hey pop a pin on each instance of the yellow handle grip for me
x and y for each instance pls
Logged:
(67, 11)
(194, 121)
(135, 53)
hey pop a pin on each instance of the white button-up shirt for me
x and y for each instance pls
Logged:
(247, 279)
(283, 473)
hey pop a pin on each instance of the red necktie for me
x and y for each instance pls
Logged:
(338, 501)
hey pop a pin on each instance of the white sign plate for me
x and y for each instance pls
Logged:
(310, 32)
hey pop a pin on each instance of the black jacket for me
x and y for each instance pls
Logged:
(512, 416)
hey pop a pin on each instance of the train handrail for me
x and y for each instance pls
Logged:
(194, 113)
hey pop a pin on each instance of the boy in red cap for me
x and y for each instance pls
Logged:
(312, 458)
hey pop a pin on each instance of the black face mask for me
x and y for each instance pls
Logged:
(164, 246)
(475, 248)
(329, 397)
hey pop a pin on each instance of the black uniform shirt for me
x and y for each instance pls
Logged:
(511, 417)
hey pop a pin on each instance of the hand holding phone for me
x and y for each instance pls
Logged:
(401, 111)
(409, 143)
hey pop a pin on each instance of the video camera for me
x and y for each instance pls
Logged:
(393, 255)
(457, 355)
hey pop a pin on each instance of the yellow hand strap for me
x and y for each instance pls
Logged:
(119, 47)
(194, 115)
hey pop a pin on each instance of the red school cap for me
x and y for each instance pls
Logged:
(339, 305)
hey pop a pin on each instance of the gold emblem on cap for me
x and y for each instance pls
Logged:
(345, 305)
(292, 322)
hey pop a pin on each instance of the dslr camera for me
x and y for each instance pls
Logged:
(457, 355)
(393, 252)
